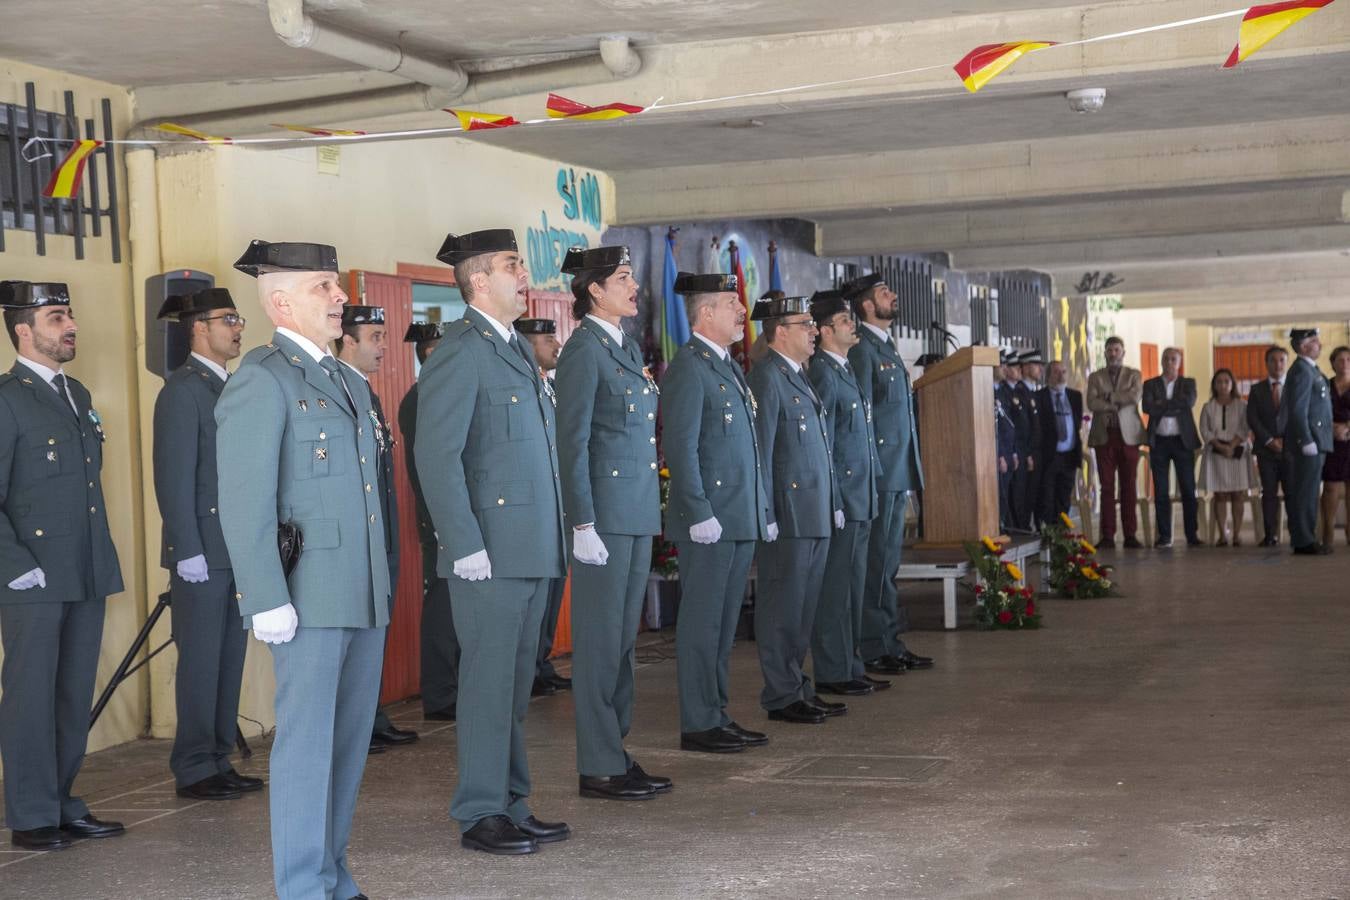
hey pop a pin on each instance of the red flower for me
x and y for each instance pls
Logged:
(1071, 585)
(979, 589)
(1005, 617)
(1031, 608)
(1026, 592)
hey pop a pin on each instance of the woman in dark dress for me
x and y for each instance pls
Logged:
(1336, 471)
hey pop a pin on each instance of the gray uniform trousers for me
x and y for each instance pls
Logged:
(837, 633)
(790, 574)
(606, 609)
(212, 642)
(712, 590)
(51, 659)
(498, 620)
(440, 644)
(883, 618)
(548, 626)
(328, 682)
(1303, 489)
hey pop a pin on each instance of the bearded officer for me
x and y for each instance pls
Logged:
(58, 565)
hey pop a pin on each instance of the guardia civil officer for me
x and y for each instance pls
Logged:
(440, 646)
(542, 335)
(207, 628)
(361, 350)
(884, 380)
(58, 565)
(718, 506)
(607, 451)
(1033, 459)
(295, 446)
(835, 638)
(798, 472)
(1304, 419)
(488, 466)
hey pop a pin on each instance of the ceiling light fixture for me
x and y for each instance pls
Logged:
(1086, 100)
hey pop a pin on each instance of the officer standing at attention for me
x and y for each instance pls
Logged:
(1304, 421)
(361, 350)
(206, 625)
(607, 453)
(440, 647)
(798, 472)
(58, 565)
(718, 506)
(884, 380)
(488, 466)
(1033, 460)
(837, 663)
(295, 447)
(542, 335)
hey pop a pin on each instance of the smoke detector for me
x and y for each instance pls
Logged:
(1086, 100)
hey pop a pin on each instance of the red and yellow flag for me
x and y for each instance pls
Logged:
(1262, 23)
(471, 120)
(67, 177)
(319, 132)
(562, 108)
(171, 128)
(981, 65)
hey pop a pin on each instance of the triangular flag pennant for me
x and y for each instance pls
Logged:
(319, 132)
(981, 65)
(470, 120)
(562, 108)
(188, 132)
(69, 175)
(1262, 23)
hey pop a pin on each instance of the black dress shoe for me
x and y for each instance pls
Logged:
(746, 736)
(376, 747)
(393, 737)
(544, 832)
(1106, 544)
(498, 836)
(215, 787)
(445, 714)
(243, 783)
(714, 740)
(826, 707)
(1194, 542)
(49, 838)
(853, 688)
(1269, 541)
(560, 682)
(884, 665)
(89, 827)
(915, 661)
(660, 783)
(616, 787)
(877, 684)
(799, 713)
(543, 688)
(1132, 543)
(1313, 549)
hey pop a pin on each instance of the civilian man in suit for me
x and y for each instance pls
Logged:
(1115, 436)
(805, 510)
(439, 680)
(884, 381)
(1263, 408)
(1169, 403)
(295, 443)
(718, 506)
(837, 634)
(488, 467)
(58, 565)
(1033, 463)
(1061, 409)
(206, 625)
(1305, 422)
(361, 350)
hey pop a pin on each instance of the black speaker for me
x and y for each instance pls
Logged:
(166, 343)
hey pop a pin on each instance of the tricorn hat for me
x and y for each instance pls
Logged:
(825, 304)
(773, 309)
(536, 326)
(1298, 335)
(422, 331)
(262, 257)
(26, 294)
(687, 283)
(579, 259)
(362, 315)
(177, 306)
(860, 285)
(458, 247)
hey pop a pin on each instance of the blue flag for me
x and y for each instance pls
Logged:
(676, 324)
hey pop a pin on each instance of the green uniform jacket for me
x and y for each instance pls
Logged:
(185, 466)
(289, 449)
(607, 434)
(51, 494)
(855, 448)
(486, 454)
(795, 443)
(708, 435)
(884, 380)
(1305, 409)
(407, 423)
(384, 439)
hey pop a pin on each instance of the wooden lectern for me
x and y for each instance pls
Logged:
(957, 443)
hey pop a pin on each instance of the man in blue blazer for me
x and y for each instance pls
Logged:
(1304, 420)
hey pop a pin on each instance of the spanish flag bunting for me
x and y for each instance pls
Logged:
(470, 120)
(171, 128)
(562, 108)
(319, 132)
(1262, 23)
(981, 65)
(67, 177)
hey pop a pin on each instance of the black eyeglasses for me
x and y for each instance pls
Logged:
(230, 319)
(808, 324)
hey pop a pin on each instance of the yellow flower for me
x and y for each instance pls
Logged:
(1064, 517)
(1088, 548)
(664, 473)
(989, 544)
(1090, 573)
(1015, 572)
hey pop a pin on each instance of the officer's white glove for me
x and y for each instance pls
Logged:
(588, 548)
(838, 519)
(709, 531)
(1310, 448)
(276, 626)
(771, 533)
(193, 570)
(475, 567)
(35, 578)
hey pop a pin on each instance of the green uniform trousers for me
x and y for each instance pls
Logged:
(837, 632)
(712, 590)
(790, 574)
(440, 644)
(212, 642)
(883, 618)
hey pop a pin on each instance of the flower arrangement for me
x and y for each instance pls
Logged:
(664, 554)
(1074, 571)
(999, 600)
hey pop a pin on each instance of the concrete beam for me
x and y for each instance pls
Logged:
(1237, 312)
(1277, 299)
(1170, 279)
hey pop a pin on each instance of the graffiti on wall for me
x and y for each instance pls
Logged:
(578, 213)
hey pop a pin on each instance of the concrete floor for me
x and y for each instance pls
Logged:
(1189, 739)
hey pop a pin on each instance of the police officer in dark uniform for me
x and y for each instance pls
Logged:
(1005, 435)
(57, 564)
(1028, 500)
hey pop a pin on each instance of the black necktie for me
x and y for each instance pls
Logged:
(59, 382)
(516, 343)
(335, 373)
(1061, 427)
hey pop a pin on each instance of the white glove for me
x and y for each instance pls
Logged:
(771, 534)
(193, 570)
(588, 548)
(276, 626)
(35, 578)
(838, 519)
(1310, 448)
(709, 531)
(475, 567)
